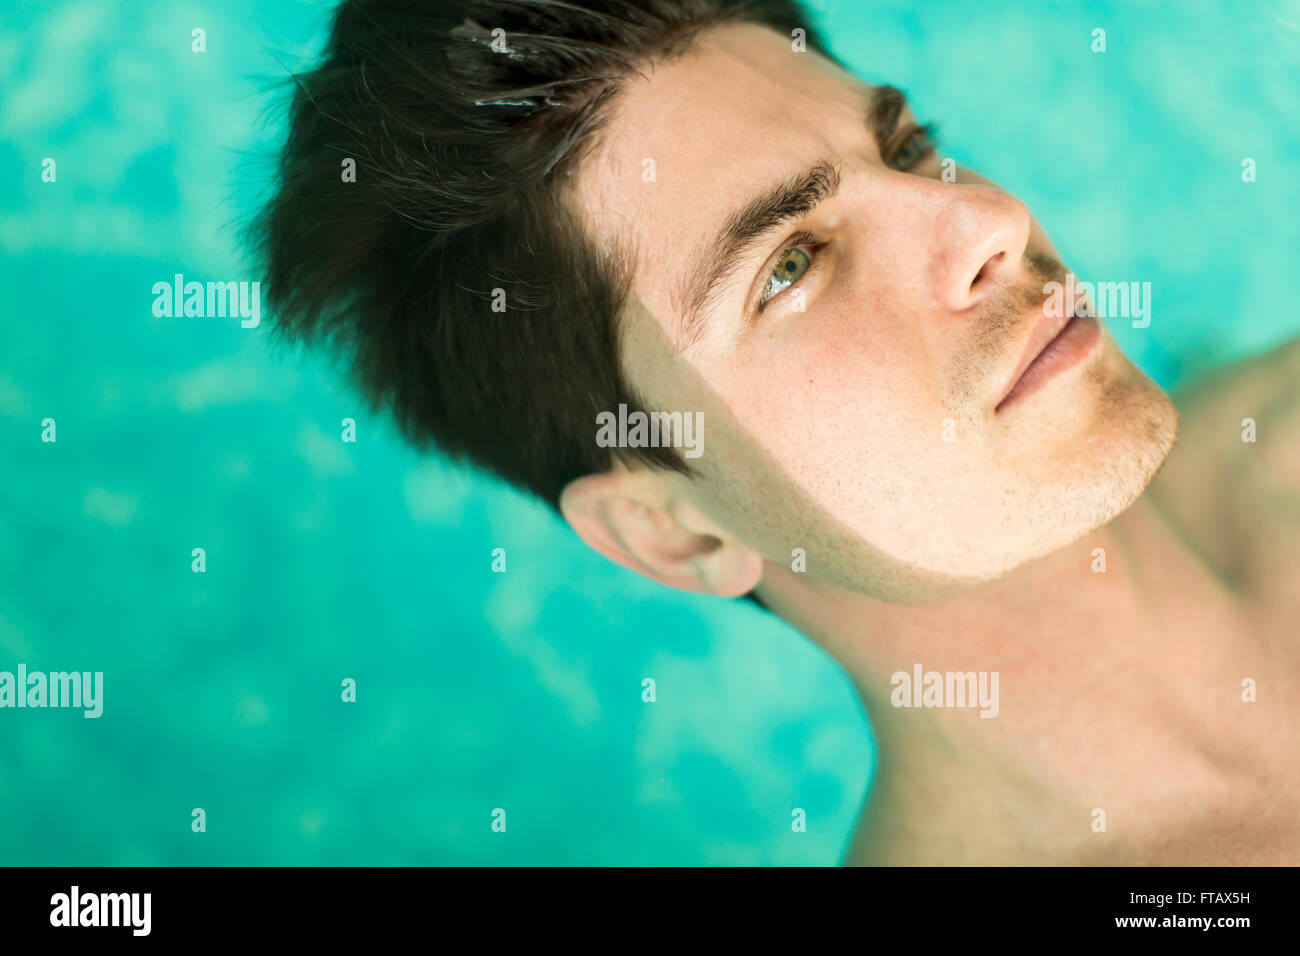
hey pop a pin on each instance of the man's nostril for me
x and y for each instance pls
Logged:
(985, 268)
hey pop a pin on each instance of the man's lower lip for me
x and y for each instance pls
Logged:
(1071, 346)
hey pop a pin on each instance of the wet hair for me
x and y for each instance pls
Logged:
(460, 121)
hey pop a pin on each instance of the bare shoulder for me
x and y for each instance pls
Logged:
(1253, 383)
(1232, 481)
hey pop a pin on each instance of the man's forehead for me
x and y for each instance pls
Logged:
(689, 138)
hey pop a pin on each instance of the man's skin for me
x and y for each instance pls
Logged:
(864, 426)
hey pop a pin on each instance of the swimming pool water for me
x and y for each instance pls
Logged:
(325, 560)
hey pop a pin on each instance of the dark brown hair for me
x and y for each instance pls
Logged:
(461, 119)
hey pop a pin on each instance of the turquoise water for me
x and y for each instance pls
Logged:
(327, 560)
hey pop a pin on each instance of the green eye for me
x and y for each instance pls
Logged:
(790, 268)
(920, 142)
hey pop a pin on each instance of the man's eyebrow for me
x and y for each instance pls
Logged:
(743, 230)
(887, 105)
(770, 210)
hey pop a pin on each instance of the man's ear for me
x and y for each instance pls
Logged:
(632, 524)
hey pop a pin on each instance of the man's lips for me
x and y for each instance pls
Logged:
(1055, 343)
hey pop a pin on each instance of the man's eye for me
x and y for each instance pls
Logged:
(790, 268)
(919, 144)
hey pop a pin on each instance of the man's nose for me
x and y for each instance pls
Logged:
(980, 238)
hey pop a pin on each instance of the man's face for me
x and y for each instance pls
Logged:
(852, 388)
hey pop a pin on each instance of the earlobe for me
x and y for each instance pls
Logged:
(617, 517)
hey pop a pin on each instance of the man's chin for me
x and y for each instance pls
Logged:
(1055, 518)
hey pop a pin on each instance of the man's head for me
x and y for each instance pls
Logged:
(686, 208)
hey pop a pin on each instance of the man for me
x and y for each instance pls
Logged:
(558, 212)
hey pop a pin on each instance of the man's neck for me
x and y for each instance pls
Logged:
(1119, 691)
